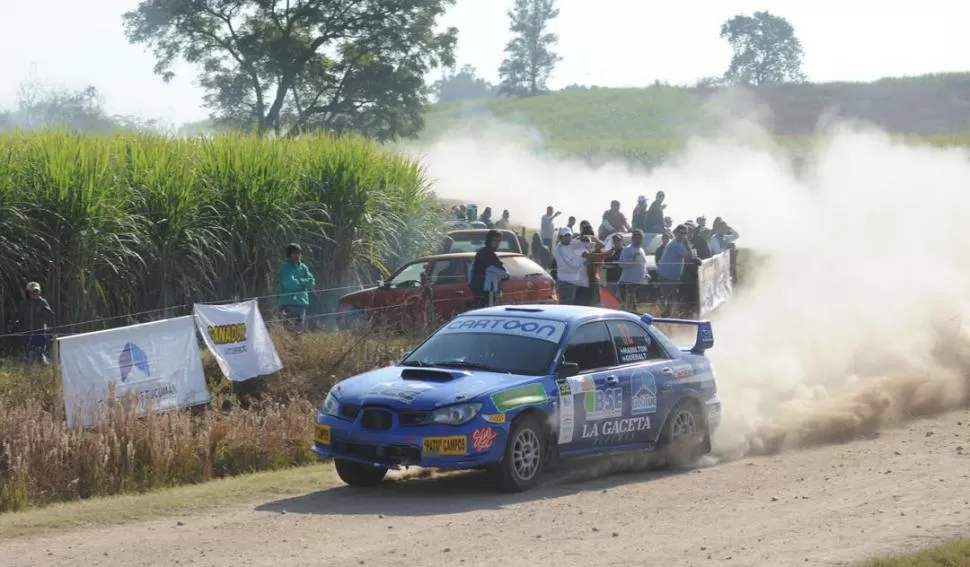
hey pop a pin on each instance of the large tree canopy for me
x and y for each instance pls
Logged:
(289, 65)
(462, 85)
(531, 58)
(765, 50)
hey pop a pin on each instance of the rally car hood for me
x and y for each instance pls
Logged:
(422, 389)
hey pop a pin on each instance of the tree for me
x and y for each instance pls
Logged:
(39, 107)
(765, 50)
(463, 85)
(283, 66)
(530, 58)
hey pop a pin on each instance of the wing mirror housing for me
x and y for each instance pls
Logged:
(567, 369)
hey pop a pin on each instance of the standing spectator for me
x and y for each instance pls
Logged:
(668, 224)
(296, 281)
(34, 317)
(571, 224)
(486, 217)
(485, 259)
(633, 259)
(670, 270)
(639, 218)
(570, 267)
(504, 222)
(699, 239)
(659, 253)
(594, 259)
(613, 267)
(655, 214)
(547, 229)
(723, 237)
(613, 221)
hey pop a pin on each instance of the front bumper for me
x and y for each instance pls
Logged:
(467, 446)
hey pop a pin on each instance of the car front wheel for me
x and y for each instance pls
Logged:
(524, 456)
(359, 474)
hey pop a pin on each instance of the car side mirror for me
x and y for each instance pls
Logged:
(567, 369)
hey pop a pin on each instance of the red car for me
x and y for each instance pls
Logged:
(438, 285)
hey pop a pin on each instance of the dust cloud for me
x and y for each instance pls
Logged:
(857, 321)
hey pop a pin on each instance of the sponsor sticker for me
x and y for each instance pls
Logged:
(581, 384)
(494, 418)
(566, 415)
(616, 427)
(518, 397)
(402, 391)
(603, 404)
(644, 398)
(544, 329)
(682, 372)
(457, 445)
(483, 438)
(322, 434)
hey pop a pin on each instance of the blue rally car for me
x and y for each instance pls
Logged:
(513, 389)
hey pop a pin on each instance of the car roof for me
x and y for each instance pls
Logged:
(575, 314)
(459, 255)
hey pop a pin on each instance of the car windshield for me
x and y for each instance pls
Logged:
(517, 345)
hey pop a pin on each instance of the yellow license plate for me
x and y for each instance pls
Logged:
(322, 434)
(445, 445)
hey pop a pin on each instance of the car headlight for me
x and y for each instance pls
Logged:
(330, 406)
(455, 415)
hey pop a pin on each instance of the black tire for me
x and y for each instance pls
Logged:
(359, 474)
(685, 437)
(525, 455)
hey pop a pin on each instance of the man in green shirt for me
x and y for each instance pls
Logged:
(296, 281)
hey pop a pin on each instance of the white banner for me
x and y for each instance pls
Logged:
(159, 361)
(237, 337)
(714, 283)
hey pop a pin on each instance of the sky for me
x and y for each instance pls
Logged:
(606, 43)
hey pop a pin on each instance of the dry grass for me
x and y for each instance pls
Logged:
(263, 424)
(954, 553)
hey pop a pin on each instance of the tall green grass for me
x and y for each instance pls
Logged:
(118, 224)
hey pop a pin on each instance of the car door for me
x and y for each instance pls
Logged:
(594, 402)
(644, 364)
(400, 297)
(449, 287)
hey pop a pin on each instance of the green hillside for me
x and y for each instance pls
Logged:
(644, 124)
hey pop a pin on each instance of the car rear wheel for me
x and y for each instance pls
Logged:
(359, 474)
(684, 438)
(525, 455)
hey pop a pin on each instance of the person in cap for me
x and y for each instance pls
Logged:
(34, 318)
(655, 214)
(570, 267)
(670, 270)
(485, 259)
(296, 281)
(639, 217)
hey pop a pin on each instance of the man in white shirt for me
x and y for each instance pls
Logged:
(546, 228)
(633, 260)
(570, 267)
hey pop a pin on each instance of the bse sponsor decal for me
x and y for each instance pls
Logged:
(518, 397)
(603, 404)
(229, 334)
(405, 392)
(544, 329)
(494, 418)
(644, 398)
(457, 445)
(483, 438)
(322, 434)
(626, 427)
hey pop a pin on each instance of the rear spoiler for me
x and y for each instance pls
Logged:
(705, 332)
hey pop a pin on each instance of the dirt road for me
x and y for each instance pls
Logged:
(906, 488)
